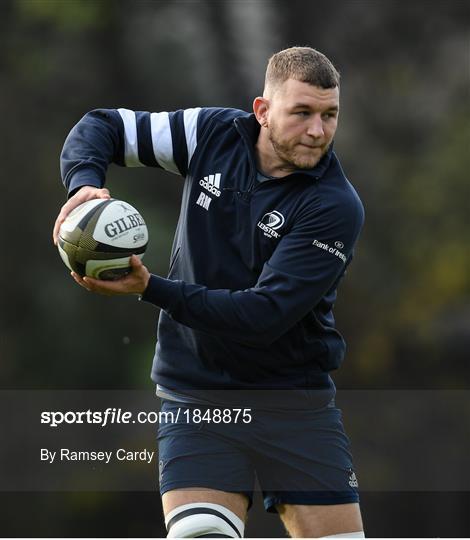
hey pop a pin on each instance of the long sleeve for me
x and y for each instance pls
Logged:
(165, 140)
(306, 264)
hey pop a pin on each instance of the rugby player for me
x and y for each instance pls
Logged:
(267, 228)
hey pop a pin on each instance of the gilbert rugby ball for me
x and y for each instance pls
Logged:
(98, 237)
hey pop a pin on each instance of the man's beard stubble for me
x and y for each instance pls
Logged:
(289, 156)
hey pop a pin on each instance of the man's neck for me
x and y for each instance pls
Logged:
(268, 162)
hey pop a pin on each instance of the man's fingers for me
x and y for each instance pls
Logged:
(78, 279)
(90, 283)
(104, 287)
(96, 285)
(87, 193)
(64, 211)
(104, 193)
(133, 283)
(135, 261)
(55, 232)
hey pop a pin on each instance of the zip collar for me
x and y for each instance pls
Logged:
(249, 129)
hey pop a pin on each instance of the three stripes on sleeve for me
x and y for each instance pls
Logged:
(164, 139)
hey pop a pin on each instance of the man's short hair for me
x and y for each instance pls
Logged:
(303, 64)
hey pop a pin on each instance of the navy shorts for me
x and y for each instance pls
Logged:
(298, 456)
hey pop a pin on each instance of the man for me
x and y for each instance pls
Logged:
(267, 228)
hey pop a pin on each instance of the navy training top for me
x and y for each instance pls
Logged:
(255, 266)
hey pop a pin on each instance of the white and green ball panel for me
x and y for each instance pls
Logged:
(97, 264)
(72, 228)
(118, 224)
(87, 224)
(109, 269)
(77, 229)
(87, 250)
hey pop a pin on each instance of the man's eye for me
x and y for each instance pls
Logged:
(302, 113)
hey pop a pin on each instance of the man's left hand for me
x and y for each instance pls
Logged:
(133, 283)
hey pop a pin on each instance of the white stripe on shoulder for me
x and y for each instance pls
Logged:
(190, 130)
(131, 149)
(162, 142)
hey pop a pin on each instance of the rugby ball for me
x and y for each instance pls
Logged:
(98, 237)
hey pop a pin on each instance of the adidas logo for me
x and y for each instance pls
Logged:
(211, 183)
(353, 479)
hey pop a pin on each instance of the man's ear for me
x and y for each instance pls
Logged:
(261, 108)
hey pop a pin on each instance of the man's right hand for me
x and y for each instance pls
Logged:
(86, 193)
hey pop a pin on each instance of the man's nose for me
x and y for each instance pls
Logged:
(315, 128)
